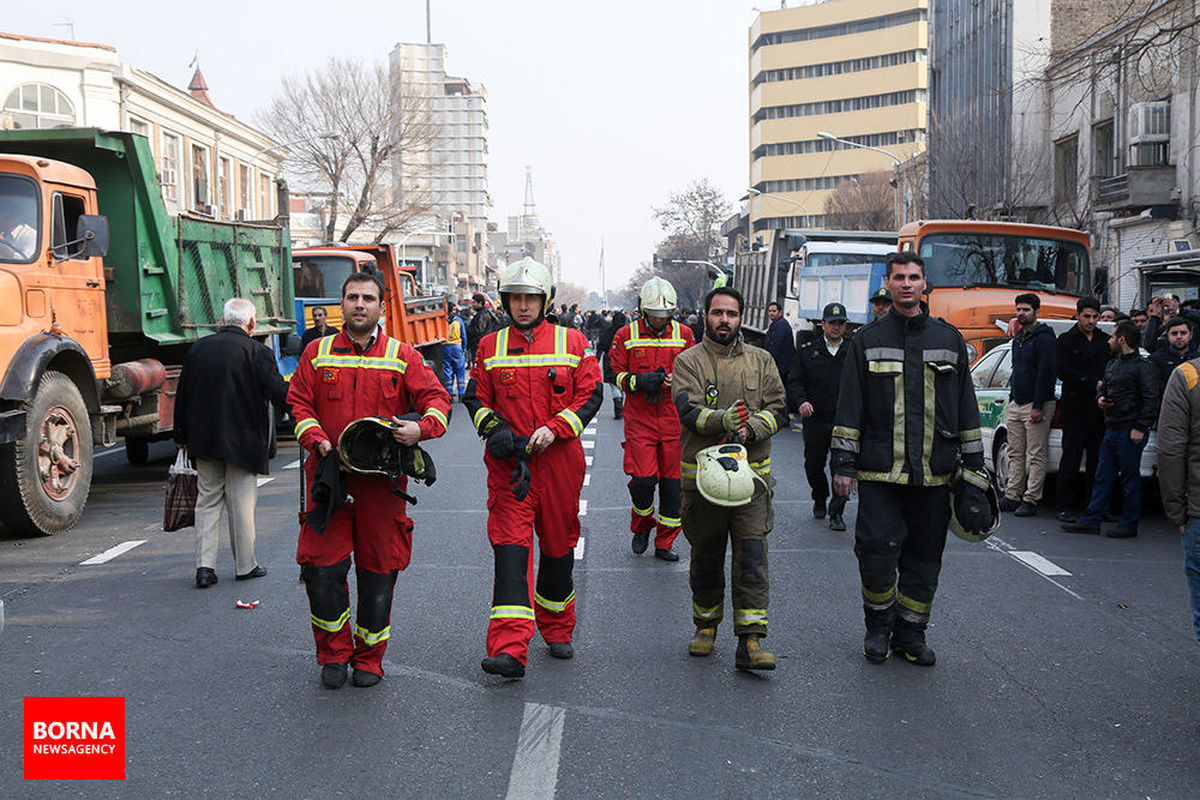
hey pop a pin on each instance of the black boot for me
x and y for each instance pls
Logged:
(909, 640)
(875, 646)
(618, 406)
(880, 622)
(836, 506)
(333, 675)
(503, 665)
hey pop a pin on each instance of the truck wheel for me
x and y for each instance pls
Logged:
(45, 477)
(137, 450)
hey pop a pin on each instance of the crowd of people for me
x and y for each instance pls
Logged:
(888, 413)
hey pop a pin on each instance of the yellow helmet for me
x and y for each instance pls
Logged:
(526, 277)
(657, 297)
(724, 476)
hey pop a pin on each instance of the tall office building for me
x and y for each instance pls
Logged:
(856, 69)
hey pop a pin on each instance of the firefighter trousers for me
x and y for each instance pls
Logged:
(900, 531)
(551, 511)
(707, 528)
(650, 463)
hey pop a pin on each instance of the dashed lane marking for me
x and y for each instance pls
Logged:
(111, 553)
(583, 508)
(1038, 562)
(588, 444)
(1001, 546)
(579, 547)
(264, 480)
(294, 465)
(588, 460)
(587, 479)
(534, 773)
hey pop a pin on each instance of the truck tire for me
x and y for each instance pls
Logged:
(45, 477)
(137, 450)
(433, 354)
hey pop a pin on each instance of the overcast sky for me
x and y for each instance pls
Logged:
(615, 103)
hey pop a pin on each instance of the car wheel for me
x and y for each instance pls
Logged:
(1000, 460)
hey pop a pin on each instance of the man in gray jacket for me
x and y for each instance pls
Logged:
(1179, 469)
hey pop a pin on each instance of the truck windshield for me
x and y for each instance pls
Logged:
(18, 219)
(990, 259)
(841, 259)
(321, 276)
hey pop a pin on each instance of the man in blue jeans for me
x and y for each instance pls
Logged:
(454, 358)
(1129, 396)
(1179, 469)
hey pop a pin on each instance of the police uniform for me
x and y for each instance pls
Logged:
(906, 413)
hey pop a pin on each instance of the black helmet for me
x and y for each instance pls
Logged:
(367, 447)
(974, 506)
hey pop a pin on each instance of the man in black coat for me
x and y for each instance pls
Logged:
(1175, 347)
(222, 417)
(1079, 359)
(781, 341)
(319, 328)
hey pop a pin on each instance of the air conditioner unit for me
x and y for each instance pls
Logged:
(1150, 122)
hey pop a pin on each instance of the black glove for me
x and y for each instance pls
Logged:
(520, 480)
(416, 463)
(500, 443)
(650, 381)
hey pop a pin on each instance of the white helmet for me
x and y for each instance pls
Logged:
(526, 277)
(724, 476)
(657, 297)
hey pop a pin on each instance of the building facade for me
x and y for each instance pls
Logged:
(856, 69)
(209, 162)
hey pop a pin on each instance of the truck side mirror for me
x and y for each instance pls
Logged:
(92, 234)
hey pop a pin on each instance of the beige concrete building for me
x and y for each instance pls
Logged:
(857, 69)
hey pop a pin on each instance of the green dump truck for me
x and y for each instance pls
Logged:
(101, 294)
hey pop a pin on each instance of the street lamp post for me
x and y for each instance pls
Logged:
(751, 193)
(404, 240)
(901, 212)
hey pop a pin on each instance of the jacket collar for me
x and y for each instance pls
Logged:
(234, 329)
(649, 333)
(913, 324)
(733, 349)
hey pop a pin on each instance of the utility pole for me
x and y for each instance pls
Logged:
(428, 25)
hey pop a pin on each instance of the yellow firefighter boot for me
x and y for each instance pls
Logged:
(750, 654)
(702, 643)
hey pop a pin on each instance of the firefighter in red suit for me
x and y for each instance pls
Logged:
(360, 372)
(643, 355)
(533, 388)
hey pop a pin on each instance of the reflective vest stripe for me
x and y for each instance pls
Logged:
(512, 612)
(643, 512)
(572, 419)
(390, 360)
(331, 626)
(709, 614)
(480, 414)
(305, 424)
(438, 415)
(668, 522)
(556, 606)
(372, 639)
(749, 616)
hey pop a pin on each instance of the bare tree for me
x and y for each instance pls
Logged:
(698, 212)
(378, 128)
(866, 203)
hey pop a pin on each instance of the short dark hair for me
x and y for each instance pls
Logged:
(725, 290)
(775, 303)
(478, 297)
(322, 309)
(1129, 333)
(904, 257)
(1172, 322)
(1137, 312)
(363, 277)
(1087, 302)
(1122, 317)
(1028, 299)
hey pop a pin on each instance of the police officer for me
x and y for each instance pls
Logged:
(533, 389)
(881, 302)
(814, 380)
(726, 390)
(906, 413)
(643, 356)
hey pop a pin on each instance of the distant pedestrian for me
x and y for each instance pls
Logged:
(483, 321)
(222, 418)
(781, 340)
(1129, 397)
(881, 303)
(1175, 347)
(1179, 469)
(1030, 409)
(454, 359)
(319, 327)
(602, 352)
(1079, 360)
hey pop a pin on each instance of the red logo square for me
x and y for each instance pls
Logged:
(329, 375)
(508, 376)
(75, 738)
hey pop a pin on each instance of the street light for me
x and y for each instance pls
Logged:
(901, 213)
(404, 240)
(751, 193)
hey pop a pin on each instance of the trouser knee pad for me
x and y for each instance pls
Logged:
(328, 595)
(510, 586)
(374, 598)
(554, 580)
(641, 491)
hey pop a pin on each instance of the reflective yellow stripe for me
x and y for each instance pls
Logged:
(305, 424)
(668, 522)
(749, 616)
(928, 421)
(438, 415)
(390, 360)
(761, 467)
(572, 419)
(769, 419)
(913, 605)
(622, 380)
(512, 612)
(970, 435)
(557, 606)
(702, 420)
(842, 432)
(700, 612)
(559, 358)
(477, 419)
(372, 639)
(879, 597)
(643, 512)
(637, 340)
(687, 469)
(334, 626)
(885, 366)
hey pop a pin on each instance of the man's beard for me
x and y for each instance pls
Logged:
(365, 329)
(726, 336)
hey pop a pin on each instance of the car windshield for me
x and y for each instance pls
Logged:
(321, 276)
(18, 219)
(974, 259)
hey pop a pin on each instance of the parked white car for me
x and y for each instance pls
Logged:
(990, 374)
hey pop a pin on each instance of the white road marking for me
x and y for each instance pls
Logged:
(588, 444)
(583, 508)
(264, 480)
(102, 453)
(579, 547)
(587, 479)
(294, 465)
(534, 773)
(1001, 546)
(588, 460)
(111, 553)
(591, 429)
(1038, 562)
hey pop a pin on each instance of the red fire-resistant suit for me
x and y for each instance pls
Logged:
(335, 384)
(549, 377)
(651, 429)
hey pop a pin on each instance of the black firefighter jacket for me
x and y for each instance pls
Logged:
(907, 407)
(816, 377)
(221, 404)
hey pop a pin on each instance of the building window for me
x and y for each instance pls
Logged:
(169, 165)
(38, 105)
(1104, 150)
(264, 194)
(841, 106)
(1066, 169)
(806, 146)
(246, 191)
(842, 29)
(139, 126)
(200, 178)
(840, 67)
(224, 184)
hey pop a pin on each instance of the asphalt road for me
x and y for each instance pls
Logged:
(1047, 685)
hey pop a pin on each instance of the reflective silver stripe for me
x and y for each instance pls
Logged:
(939, 355)
(841, 443)
(372, 639)
(972, 447)
(884, 354)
